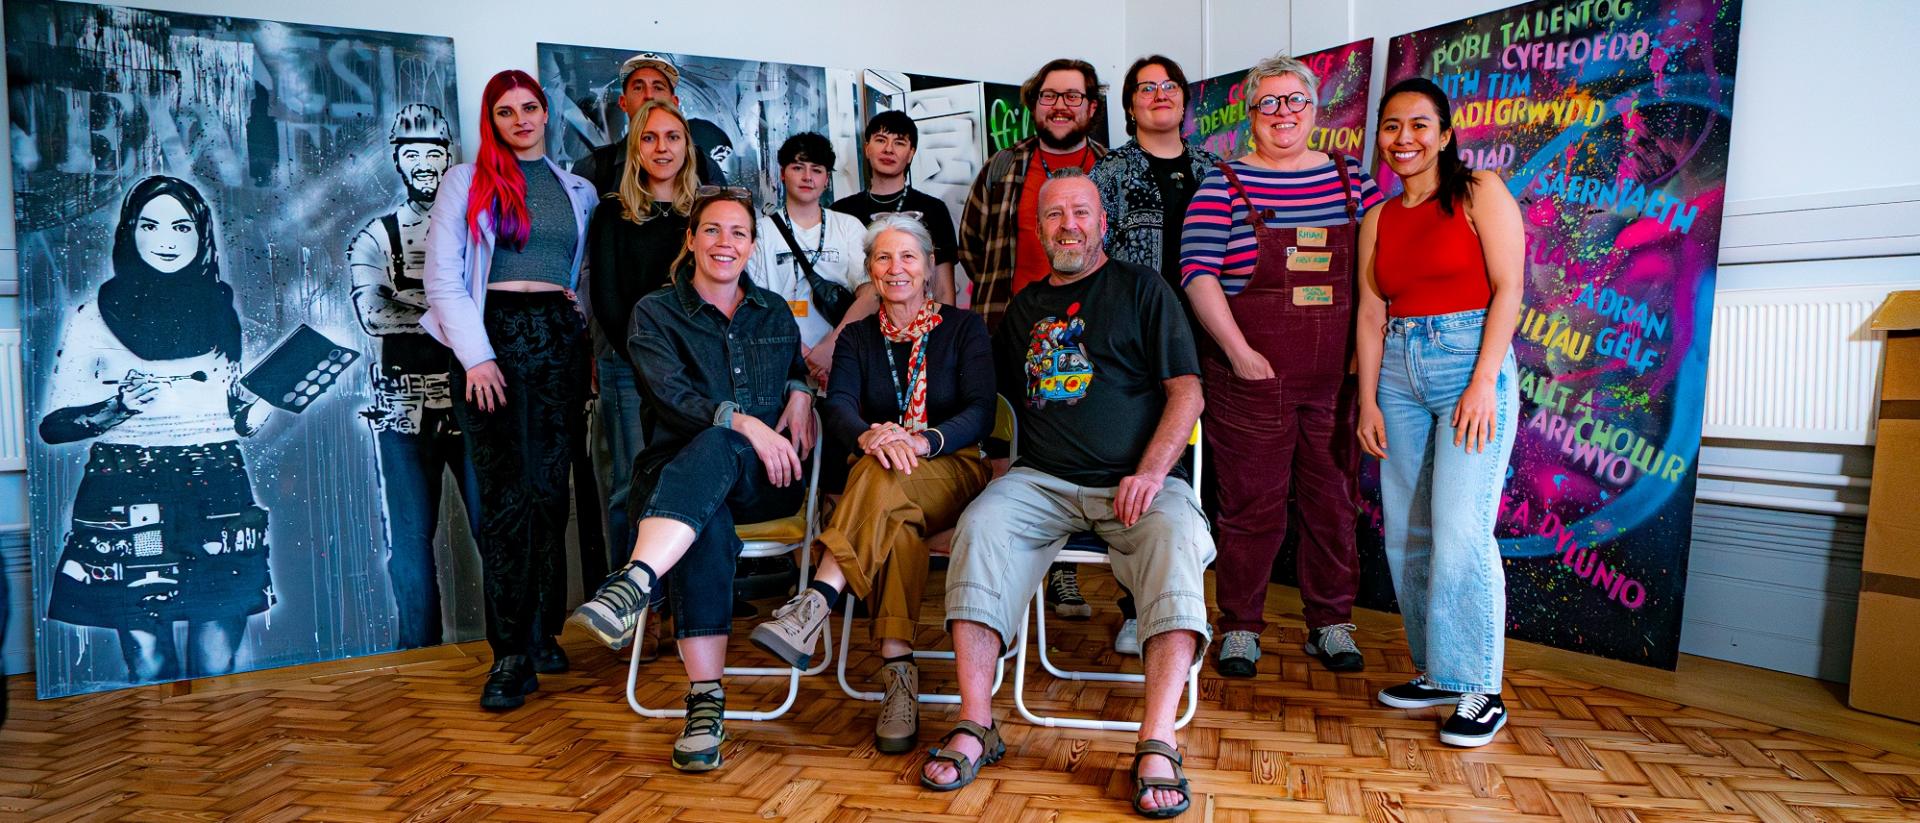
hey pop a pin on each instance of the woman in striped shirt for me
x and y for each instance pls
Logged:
(1267, 260)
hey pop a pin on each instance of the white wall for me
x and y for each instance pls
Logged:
(1814, 110)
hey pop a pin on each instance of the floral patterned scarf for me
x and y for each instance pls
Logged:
(914, 416)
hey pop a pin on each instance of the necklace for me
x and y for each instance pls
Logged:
(889, 205)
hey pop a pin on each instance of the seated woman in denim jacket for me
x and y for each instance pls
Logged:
(728, 416)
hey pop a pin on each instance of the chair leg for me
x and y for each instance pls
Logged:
(1039, 609)
(846, 640)
(793, 683)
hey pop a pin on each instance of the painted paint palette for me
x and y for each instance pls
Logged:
(299, 370)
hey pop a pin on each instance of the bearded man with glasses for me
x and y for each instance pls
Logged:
(1063, 97)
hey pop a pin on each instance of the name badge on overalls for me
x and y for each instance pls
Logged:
(1313, 295)
(1309, 236)
(1309, 261)
(798, 307)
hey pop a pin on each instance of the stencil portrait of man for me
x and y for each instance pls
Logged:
(412, 413)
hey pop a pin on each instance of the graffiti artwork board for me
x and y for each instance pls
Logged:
(742, 110)
(211, 210)
(1217, 106)
(1609, 120)
(739, 110)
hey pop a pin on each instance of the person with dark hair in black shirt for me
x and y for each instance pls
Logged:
(891, 141)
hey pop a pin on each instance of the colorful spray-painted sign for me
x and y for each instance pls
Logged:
(1217, 107)
(1609, 119)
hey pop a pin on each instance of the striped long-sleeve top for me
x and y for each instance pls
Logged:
(1215, 239)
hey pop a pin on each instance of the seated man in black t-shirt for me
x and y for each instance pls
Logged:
(1100, 364)
(892, 139)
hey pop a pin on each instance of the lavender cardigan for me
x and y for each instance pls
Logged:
(458, 261)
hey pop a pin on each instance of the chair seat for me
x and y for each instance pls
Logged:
(785, 531)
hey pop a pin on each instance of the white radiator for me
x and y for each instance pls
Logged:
(1795, 365)
(13, 405)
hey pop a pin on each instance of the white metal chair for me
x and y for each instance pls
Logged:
(1003, 427)
(1039, 611)
(771, 538)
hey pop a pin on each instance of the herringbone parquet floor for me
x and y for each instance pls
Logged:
(409, 744)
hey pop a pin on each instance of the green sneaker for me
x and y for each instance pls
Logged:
(698, 749)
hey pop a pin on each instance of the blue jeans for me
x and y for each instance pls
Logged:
(619, 411)
(1439, 535)
(411, 470)
(714, 482)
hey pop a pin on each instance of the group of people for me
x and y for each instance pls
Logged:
(1117, 299)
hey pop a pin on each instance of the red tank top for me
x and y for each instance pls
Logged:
(1426, 262)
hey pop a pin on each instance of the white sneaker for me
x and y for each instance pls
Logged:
(1127, 640)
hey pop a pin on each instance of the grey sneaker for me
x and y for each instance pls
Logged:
(698, 747)
(899, 726)
(794, 631)
(1239, 654)
(613, 610)
(1333, 646)
(1127, 640)
(1063, 593)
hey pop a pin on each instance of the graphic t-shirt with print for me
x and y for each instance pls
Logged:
(1084, 364)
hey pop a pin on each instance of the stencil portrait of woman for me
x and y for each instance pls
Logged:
(164, 527)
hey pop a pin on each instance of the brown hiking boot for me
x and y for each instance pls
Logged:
(899, 727)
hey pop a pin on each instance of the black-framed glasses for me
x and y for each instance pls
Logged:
(1073, 99)
(1148, 87)
(1271, 103)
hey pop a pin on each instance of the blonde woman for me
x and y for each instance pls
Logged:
(637, 231)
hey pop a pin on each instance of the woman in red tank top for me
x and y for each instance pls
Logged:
(1441, 272)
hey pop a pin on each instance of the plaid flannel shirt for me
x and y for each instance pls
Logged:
(990, 226)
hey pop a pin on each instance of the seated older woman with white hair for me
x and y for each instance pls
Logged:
(912, 393)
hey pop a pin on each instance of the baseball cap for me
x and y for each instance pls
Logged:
(647, 59)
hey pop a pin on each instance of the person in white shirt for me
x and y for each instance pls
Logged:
(830, 242)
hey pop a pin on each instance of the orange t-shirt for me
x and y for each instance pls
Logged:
(1029, 260)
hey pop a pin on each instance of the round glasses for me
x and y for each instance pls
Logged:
(1271, 103)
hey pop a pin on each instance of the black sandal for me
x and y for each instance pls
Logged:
(1142, 785)
(991, 750)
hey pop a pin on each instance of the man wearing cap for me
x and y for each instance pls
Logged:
(414, 431)
(645, 76)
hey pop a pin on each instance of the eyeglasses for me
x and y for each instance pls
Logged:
(915, 216)
(1270, 104)
(1147, 88)
(1073, 99)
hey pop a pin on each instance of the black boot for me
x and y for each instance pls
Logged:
(548, 657)
(508, 685)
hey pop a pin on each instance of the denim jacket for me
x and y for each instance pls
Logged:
(697, 368)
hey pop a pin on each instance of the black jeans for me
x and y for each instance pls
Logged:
(522, 453)
(714, 482)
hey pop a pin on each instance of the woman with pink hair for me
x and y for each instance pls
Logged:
(504, 244)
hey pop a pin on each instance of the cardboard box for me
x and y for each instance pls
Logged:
(1886, 648)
